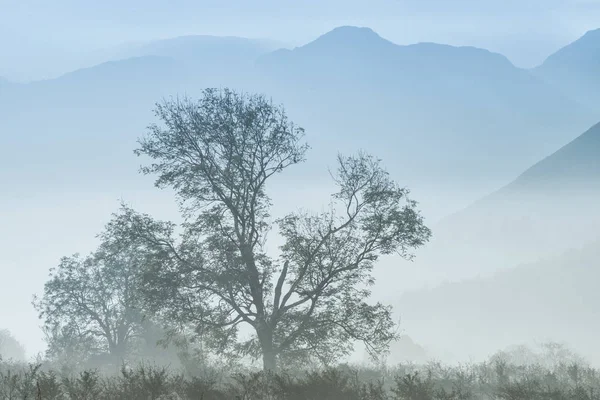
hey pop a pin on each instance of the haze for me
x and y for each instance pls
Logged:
(488, 111)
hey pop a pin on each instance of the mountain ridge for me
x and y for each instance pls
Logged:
(352, 39)
(437, 111)
(549, 208)
(574, 68)
(576, 163)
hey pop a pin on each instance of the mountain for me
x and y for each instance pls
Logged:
(205, 54)
(576, 166)
(551, 207)
(574, 69)
(78, 131)
(450, 122)
(446, 114)
(555, 299)
(89, 85)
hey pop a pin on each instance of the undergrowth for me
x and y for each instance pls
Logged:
(496, 379)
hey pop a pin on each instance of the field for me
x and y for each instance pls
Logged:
(494, 379)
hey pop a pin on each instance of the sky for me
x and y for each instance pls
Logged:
(42, 39)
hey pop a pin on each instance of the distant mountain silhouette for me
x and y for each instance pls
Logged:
(474, 115)
(446, 120)
(576, 166)
(135, 82)
(554, 299)
(551, 207)
(574, 69)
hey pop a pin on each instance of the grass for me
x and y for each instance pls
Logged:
(496, 379)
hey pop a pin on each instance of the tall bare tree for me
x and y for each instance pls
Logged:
(218, 154)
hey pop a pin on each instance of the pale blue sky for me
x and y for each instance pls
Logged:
(41, 38)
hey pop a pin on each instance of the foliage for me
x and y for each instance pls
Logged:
(430, 382)
(89, 306)
(218, 154)
(10, 348)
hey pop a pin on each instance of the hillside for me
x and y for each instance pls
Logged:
(551, 207)
(447, 114)
(554, 299)
(574, 69)
(449, 121)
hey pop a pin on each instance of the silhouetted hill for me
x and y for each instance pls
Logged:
(551, 207)
(367, 47)
(576, 166)
(471, 114)
(574, 69)
(450, 122)
(554, 299)
(132, 76)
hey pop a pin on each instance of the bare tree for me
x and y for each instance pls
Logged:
(310, 303)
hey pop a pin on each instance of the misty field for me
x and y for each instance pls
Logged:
(495, 379)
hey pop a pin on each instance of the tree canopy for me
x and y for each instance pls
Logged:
(213, 272)
(10, 348)
(89, 306)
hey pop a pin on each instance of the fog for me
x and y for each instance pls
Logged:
(489, 116)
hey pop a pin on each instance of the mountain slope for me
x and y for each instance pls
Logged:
(575, 166)
(549, 208)
(474, 116)
(555, 299)
(574, 69)
(206, 54)
(446, 120)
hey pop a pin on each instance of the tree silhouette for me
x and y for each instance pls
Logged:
(218, 154)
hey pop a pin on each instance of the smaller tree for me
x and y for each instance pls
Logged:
(10, 348)
(89, 305)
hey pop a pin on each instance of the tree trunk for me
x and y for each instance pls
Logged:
(269, 360)
(265, 337)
